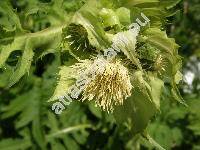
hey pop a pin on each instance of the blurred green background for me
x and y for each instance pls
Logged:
(26, 119)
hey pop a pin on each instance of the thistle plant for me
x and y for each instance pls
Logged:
(125, 69)
(129, 81)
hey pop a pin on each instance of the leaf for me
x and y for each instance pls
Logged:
(6, 36)
(6, 50)
(131, 3)
(30, 43)
(154, 143)
(166, 137)
(138, 109)
(95, 110)
(57, 145)
(69, 129)
(37, 131)
(9, 19)
(31, 110)
(124, 15)
(63, 84)
(169, 3)
(16, 106)
(24, 65)
(71, 144)
(194, 115)
(156, 90)
(172, 61)
(109, 18)
(126, 42)
(88, 17)
(4, 76)
(14, 144)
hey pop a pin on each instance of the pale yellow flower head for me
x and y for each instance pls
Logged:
(109, 84)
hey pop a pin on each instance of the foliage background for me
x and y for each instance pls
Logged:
(26, 119)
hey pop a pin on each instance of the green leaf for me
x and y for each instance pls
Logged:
(6, 36)
(169, 3)
(30, 43)
(14, 144)
(63, 84)
(124, 15)
(164, 135)
(16, 106)
(31, 110)
(37, 131)
(9, 20)
(69, 129)
(88, 17)
(126, 42)
(6, 50)
(154, 143)
(131, 3)
(138, 109)
(171, 60)
(109, 18)
(95, 110)
(156, 90)
(24, 64)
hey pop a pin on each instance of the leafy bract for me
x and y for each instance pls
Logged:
(138, 109)
(88, 18)
(172, 61)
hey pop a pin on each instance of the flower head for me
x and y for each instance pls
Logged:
(109, 85)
